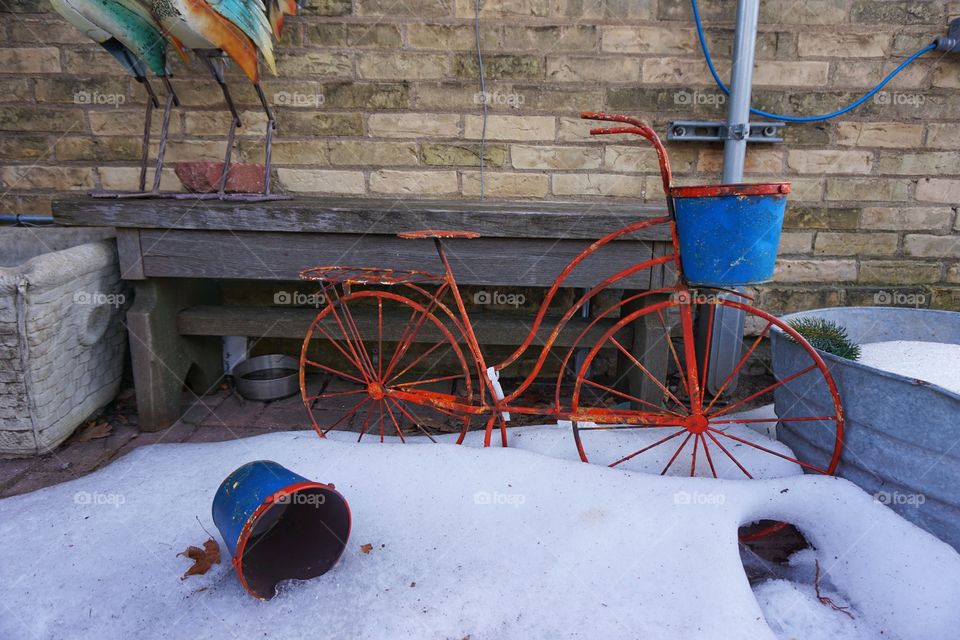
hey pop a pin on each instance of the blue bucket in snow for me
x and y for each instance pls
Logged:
(278, 525)
(728, 234)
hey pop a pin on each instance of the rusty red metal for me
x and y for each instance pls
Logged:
(688, 411)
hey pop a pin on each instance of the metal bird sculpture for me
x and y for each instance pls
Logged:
(129, 33)
(239, 29)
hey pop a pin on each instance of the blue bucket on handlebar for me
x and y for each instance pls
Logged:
(279, 525)
(728, 234)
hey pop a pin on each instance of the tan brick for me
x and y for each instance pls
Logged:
(943, 136)
(636, 159)
(48, 30)
(27, 203)
(593, 69)
(803, 216)
(790, 74)
(758, 160)
(676, 71)
(830, 161)
(815, 271)
(562, 158)
(332, 64)
(945, 76)
(502, 9)
(551, 39)
(913, 218)
(313, 152)
(30, 60)
(920, 164)
(879, 134)
(865, 73)
(855, 244)
(383, 66)
(866, 189)
(97, 92)
(74, 148)
(362, 152)
(929, 246)
(321, 181)
(576, 130)
(43, 177)
(795, 242)
(814, 12)
(451, 37)
(498, 67)
(953, 273)
(898, 272)
(414, 182)
(511, 127)
(217, 123)
(843, 44)
(368, 95)
(938, 190)
(654, 39)
(506, 185)
(32, 118)
(947, 298)
(465, 154)
(390, 8)
(384, 36)
(16, 90)
(414, 125)
(21, 147)
(595, 184)
(307, 122)
(128, 178)
(127, 123)
(187, 150)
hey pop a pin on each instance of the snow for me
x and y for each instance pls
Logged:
(934, 362)
(490, 543)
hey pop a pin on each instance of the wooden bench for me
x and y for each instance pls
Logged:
(177, 251)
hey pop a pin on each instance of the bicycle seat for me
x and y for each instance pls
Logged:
(433, 233)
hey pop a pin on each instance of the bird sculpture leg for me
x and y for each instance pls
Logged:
(214, 61)
(268, 150)
(152, 103)
(172, 101)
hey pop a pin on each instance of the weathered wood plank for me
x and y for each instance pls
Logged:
(128, 252)
(281, 256)
(378, 216)
(491, 328)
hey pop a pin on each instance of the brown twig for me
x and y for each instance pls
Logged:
(824, 599)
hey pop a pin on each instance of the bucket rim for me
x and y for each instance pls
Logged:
(716, 190)
(268, 503)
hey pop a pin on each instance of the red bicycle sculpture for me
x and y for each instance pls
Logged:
(379, 365)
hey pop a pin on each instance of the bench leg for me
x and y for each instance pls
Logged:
(649, 346)
(163, 360)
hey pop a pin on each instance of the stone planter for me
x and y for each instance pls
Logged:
(61, 336)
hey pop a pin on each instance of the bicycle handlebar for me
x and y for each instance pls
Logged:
(639, 128)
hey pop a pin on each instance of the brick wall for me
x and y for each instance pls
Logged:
(380, 97)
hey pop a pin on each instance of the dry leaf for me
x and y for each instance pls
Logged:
(366, 548)
(203, 559)
(94, 431)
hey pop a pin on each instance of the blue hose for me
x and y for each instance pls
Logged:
(777, 116)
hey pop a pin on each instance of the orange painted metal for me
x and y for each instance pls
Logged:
(687, 410)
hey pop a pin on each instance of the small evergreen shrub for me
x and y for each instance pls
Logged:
(827, 336)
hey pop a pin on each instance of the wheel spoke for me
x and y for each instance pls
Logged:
(335, 394)
(366, 424)
(347, 415)
(380, 338)
(334, 371)
(616, 427)
(737, 368)
(763, 391)
(770, 451)
(336, 344)
(676, 453)
(362, 348)
(628, 396)
(648, 447)
(729, 455)
(693, 460)
(637, 364)
(706, 452)
(347, 337)
(416, 361)
(393, 418)
(704, 375)
(412, 420)
(673, 350)
(757, 420)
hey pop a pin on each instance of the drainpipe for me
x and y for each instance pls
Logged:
(727, 340)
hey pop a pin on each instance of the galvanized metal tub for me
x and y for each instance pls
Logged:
(901, 435)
